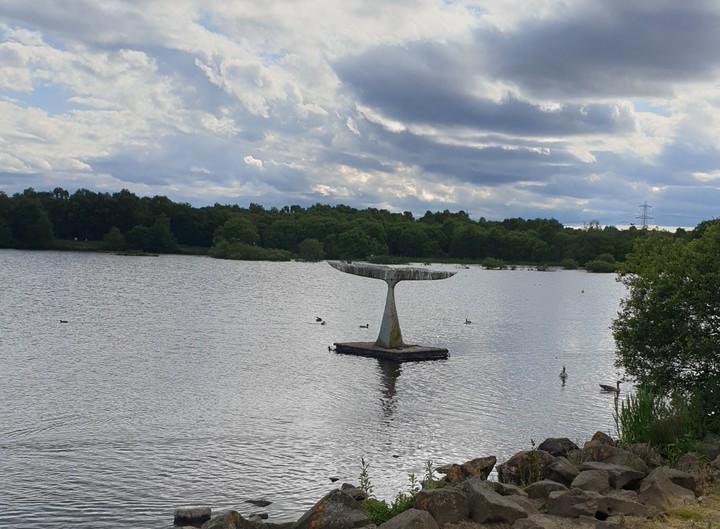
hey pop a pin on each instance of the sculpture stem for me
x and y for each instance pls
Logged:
(390, 336)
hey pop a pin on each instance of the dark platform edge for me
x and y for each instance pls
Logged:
(409, 353)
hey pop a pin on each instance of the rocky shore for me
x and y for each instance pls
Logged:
(556, 486)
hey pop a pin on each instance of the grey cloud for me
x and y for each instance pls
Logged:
(619, 48)
(428, 83)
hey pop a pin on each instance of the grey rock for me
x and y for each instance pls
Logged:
(190, 516)
(621, 477)
(612, 505)
(507, 489)
(355, 492)
(661, 491)
(605, 453)
(542, 489)
(595, 480)
(557, 446)
(336, 510)
(486, 505)
(446, 505)
(411, 519)
(573, 503)
(561, 470)
(535, 521)
(228, 520)
(524, 467)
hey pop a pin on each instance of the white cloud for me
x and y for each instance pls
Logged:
(458, 104)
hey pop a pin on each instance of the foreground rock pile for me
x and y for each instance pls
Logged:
(559, 485)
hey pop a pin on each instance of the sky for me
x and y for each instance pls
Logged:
(576, 110)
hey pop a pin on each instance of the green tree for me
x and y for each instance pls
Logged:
(114, 240)
(311, 250)
(238, 229)
(29, 222)
(668, 329)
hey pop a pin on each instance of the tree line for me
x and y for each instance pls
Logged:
(122, 221)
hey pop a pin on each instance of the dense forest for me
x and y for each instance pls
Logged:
(122, 221)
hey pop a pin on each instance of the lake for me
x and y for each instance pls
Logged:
(188, 381)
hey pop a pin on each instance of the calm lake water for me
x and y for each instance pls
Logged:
(188, 381)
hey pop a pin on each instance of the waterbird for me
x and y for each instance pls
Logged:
(563, 374)
(467, 322)
(322, 322)
(365, 326)
(318, 318)
(63, 321)
(611, 389)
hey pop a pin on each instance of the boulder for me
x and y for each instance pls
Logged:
(336, 510)
(447, 505)
(535, 521)
(573, 503)
(411, 519)
(661, 490)
(481, 466)
(605, 453)
(709, 447)
(561, 470)
(557, 446)
(602, 438)
(355, 492)
(524, 467)
(507, 489)
(542, 489)
(595, 480)
(615, 505)
(621, 477)
(228, 520)
(192, 516)
(486, 505)
(689, 462)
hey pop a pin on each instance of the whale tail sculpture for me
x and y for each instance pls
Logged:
(390, 336)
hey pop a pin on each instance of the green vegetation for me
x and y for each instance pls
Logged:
(668, 329)
(123, 222)
(668, 338)
(381, 511)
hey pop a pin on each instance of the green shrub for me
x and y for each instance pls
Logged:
(493, 264)
(600, 267)
(569, 264)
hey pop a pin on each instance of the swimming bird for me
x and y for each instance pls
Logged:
(322, 322)
(318, 318)
(467, 321)
(63, 321)
(563, 373)
(365, 326)
(611, 389)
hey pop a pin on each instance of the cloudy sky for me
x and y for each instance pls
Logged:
(577, 110)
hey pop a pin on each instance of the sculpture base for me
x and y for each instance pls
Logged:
(409, 353)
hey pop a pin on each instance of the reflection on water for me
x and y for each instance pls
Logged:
(389, 372)
(187, 381)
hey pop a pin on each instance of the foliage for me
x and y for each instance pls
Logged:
(381, 511)
(599, 266)
(247, 252)
(672, 425)
(114, 240)
(493, 264)
(311, 250)
(569, 264)
(668, 329)
(156, 224)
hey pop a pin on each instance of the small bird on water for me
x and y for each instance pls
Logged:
(611, 389)
(563, 373)
(365, 326)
